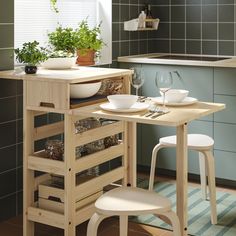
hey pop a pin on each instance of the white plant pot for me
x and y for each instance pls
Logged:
(59, 63)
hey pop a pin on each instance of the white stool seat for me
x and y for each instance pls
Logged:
(203, 144)
(131, 201)
(125, 201)
(195, 141)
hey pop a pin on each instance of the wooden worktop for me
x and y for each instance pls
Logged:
(70, 76)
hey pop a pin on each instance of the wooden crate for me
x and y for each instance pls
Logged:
(55, 204)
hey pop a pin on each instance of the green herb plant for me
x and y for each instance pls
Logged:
(63, 42)
(54, 5)
(31, 54)
(89, 38)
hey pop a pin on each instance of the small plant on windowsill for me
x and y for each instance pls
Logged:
(62, 48)
(89, 43)
(54, 5)
(31, 55)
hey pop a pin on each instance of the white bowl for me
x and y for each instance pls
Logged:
(59, 63)
(122, 100)
(84, 90)
(176, 95)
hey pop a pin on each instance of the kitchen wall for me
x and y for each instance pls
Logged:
(10, 121)
(196, 26)
(126, 43)
(186, 26)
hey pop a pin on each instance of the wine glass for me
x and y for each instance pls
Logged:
(137, 79)
(163, 81)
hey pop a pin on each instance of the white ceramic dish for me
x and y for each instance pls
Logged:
(122, 101)
(175, 95)
(60, 63)
(84, 90)
(135, 108)
(185, 102)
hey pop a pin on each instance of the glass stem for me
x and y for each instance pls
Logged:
(164, 104)
(136, 91)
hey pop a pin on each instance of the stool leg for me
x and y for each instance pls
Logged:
(202, 167)
(153, 165)
(123, 225)
(211, 184)
(174, 220)
(93, 224)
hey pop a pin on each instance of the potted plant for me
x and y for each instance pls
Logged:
(88, 43)
(31, 55)
(54, 5)
(62, 48)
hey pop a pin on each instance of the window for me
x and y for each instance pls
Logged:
(34, 19)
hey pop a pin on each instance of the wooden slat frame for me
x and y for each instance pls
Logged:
(46, 217)
(98, 133)
(84, 213)
(46, 165)
(48, 130)
(99, 182)
(44, 191)
(40, 179)
(99, 157)
(69, 177)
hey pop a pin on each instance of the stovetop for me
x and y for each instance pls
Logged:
(192, 58)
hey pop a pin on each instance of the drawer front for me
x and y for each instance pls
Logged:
(228, 115)
(58, 206)
(224, 136)
(47, 94)
(225, 81)
(225, 163)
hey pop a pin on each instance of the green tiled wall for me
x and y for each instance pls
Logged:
(10, 121)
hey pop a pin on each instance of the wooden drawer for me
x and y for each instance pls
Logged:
(52, 198)
(56, 95)
(42, 94)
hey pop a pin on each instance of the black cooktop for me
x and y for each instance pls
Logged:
(192, 58)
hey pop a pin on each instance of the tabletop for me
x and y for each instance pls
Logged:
(177, 115)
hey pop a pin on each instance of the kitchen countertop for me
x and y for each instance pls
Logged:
(73, 75)
(152, 58)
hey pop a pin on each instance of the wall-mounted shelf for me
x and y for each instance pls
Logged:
(132, 25)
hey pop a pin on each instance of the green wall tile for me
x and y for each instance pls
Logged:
(6, 59)
(226, 48)
(226, 31)
(226, 13)
(8, 207)
(6, 11)
(7, 36)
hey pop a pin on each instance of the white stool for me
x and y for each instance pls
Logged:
(203, 144)
(125, 201)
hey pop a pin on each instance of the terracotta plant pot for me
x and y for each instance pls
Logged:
(85, 57)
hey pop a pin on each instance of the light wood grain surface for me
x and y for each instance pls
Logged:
(176, 116)
(70, 76)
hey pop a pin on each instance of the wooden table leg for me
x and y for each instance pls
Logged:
(182, 177)
(69, 204)
(28, 175)
(132, 159)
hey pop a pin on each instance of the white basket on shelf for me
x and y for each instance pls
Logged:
(132, 25)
